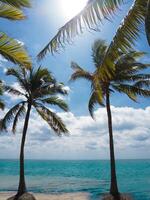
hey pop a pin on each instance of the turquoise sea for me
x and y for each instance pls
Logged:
(78, 176)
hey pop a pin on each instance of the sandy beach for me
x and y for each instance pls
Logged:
(67, 196)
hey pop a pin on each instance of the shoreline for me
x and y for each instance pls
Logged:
(43, 196)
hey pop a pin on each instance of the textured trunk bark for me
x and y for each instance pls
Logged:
(22, 184)
(113, 187)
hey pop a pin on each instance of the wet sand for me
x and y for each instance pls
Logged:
(66, 196)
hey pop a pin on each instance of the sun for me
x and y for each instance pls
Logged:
(70, 8)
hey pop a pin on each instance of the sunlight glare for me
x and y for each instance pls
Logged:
(70, 8)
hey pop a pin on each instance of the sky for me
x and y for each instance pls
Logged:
(88, 139)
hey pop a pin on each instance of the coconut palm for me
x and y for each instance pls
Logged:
(12, 49)
(94, 13)
(126, 79)
(39, 89)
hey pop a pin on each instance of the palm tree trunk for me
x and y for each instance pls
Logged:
(113, 187)
(22, 184)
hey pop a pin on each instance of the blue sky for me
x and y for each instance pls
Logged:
(42, 23)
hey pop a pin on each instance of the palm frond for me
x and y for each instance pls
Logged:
(79, 73)
(17, 73)
(13, 51)
(93, 13)
(126, 90)
(19, 114)
(56, 101)
(52, 119)
(97, 88)
(99, 49)
(143, 83)
(13, 91)
(9, 116)
(125, 36)
(10, 12)
(91, 104)
(133, 90)
(58, 88)
(18, 3)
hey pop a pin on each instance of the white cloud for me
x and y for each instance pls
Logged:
(88, 138)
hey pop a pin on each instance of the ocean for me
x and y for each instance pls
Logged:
(78, 176)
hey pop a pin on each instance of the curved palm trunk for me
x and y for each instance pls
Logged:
(22, 184)
(113, 187)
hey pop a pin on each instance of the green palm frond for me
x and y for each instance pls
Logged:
(125, 36)
(132, 89)
(94, 12)
(52, 119)
(13, 51)
(143, 83)
(79, 73)
(18, 115)
(56, 101)
(13, 91)
(91, 104)
(97, 87)
(10, 12)
(58, 88)
(17, 73)
(9, 115)
(126, 89)
(99, 49)
(18, 3)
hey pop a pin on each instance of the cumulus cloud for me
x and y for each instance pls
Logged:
(88, 139)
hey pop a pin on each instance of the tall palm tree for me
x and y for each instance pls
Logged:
(10, 48)
(126, 79)
(39, 90)
(95, 12)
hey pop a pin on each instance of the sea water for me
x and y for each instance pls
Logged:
(92, 177)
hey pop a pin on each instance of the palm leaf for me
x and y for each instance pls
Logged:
(17, 73)
(79, 73)
(10, 12)
(13, 51)
(133, 90)
(13, 91)
(56, 101)
(91, 104)
(125, 37)
(9, 116)
(19, 114)
(17, 3)
(94, 12)
(52, 119)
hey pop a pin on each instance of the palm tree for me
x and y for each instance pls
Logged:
(125, 79)
(11, 49)
(95, 12)
(39, 90)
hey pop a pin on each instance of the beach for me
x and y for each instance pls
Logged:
(66, 196)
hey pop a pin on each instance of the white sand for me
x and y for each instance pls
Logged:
(66, 196)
